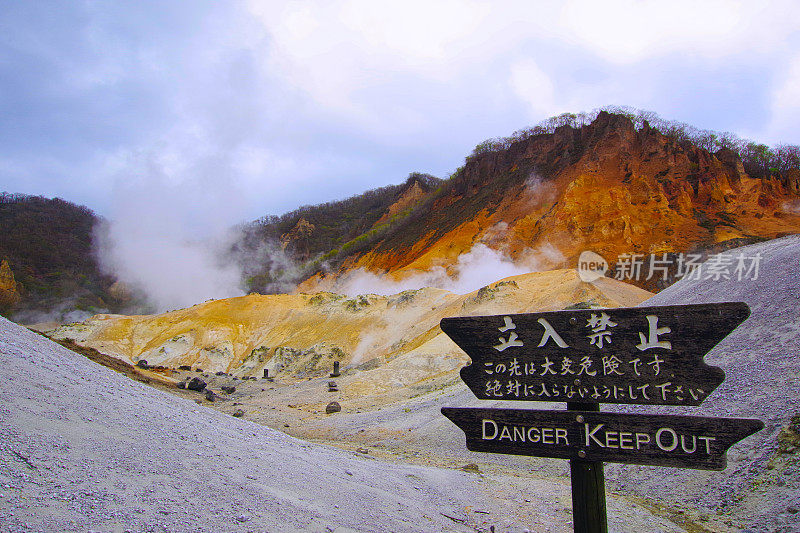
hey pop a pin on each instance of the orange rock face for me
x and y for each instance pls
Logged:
(408, 200)
(297, 238)
(9, 294)
(605, 187)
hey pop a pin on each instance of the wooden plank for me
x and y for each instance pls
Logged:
(663, 440)
(588, 496)
(639, 355)
(588, 482)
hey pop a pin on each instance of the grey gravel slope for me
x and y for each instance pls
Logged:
(83, 448)
(760, 489)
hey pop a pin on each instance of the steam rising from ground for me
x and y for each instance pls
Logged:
(257, 258)
(62, 312)
(792, 207)
(539, 190)
(475, 269)
(367, 346)
(169, 238)
(169, 231)
(170, 269)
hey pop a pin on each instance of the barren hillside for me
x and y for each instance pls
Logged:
(85, 447)
(381, 342)
(606, 186)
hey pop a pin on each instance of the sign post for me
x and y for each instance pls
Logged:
(643, 355)
(588, 484)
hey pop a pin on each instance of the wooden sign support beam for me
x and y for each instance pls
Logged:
(588, 488)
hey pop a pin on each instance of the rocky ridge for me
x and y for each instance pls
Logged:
(605, 187)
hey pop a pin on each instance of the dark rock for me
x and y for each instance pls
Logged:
(199, 370)
(184, 367)
(221, 374)
(371, 364)
(210, 396)
(196, 384)
(333, 407)
(239, 413)
(181, 384)
(228, 389)
(362, 450)
(142, 363)
(471, 467)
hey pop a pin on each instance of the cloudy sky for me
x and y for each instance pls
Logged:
(227, 111)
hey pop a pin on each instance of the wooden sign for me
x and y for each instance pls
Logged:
(663, 440)
(639, 355)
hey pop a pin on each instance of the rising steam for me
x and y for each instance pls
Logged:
(167, 236)
(475, 269)
(171, 270)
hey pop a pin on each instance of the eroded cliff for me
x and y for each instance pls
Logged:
(605, 187)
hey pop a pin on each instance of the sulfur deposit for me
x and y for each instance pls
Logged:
(395, 340)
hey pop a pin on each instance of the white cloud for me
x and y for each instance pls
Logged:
(352, 57)
(629, 31)
(534, 87)
(302, 102)
(337, 51)
(787, 96)
(785, 104)
(545, 95)
(416, 32)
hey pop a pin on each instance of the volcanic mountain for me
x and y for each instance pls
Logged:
(617, 183)
(540, 199)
